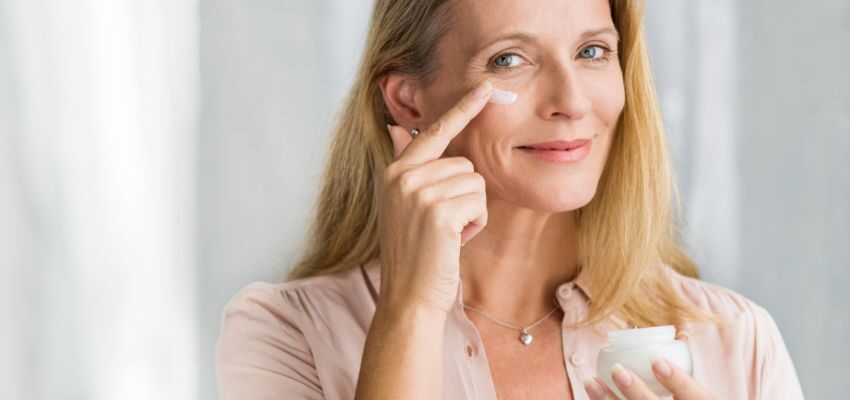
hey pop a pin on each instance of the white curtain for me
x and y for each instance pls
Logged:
(694, 57)
(97, 130)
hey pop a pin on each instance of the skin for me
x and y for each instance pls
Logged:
(531, 221)
(570, 86)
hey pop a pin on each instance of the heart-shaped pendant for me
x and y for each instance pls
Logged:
(526, 338)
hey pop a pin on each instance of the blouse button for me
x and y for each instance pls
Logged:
(470, 351)
(576, 359)
(565, 291)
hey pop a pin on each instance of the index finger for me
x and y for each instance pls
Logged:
(431, 143)
(679, 382)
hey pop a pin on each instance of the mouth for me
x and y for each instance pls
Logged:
(561, 145)
(560, 151)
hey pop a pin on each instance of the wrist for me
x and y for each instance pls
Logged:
(414, 312)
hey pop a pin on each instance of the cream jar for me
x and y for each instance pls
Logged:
(636, 349)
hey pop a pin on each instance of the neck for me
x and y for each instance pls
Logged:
(514, 266)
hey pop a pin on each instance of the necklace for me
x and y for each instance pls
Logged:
(524, 335)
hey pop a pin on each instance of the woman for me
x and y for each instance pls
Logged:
(481, 249)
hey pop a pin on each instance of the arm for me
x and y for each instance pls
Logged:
(777, 375)
(402, 358)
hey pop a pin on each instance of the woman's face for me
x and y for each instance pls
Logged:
(569, 86)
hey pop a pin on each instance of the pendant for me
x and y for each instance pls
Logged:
(525, 337)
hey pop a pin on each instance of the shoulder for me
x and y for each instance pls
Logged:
(733, 307)
(753, 345)
(262, 295)
(295, 303)
(744, 322)
(266, 301)
(278, 338)
(273, 313)
(714, 298)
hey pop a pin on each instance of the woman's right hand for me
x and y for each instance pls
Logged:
(430, 206)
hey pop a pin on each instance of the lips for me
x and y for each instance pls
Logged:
(560, 152)
(562, 145)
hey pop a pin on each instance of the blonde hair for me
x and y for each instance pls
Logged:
(627, 233)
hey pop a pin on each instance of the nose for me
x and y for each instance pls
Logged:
(565, 94)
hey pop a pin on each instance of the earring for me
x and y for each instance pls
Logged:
(414, 132)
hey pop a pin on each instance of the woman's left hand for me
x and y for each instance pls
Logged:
(678, 382)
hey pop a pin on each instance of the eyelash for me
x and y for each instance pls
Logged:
(603, 59)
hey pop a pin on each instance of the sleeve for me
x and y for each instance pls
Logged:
(776, 375)
(261, 354)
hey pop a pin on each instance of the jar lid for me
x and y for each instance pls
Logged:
(642, 336)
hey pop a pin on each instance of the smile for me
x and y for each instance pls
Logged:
(560, 153)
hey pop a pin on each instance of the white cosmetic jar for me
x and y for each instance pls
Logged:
(636, 349)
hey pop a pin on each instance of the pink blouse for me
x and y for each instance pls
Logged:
(304, 339)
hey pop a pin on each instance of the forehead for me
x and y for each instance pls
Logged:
(478, 22)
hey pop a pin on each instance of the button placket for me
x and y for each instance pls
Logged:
(576, 364)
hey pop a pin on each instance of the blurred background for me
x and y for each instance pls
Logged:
(158, 155)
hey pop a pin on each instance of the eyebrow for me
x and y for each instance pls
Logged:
(531, 37)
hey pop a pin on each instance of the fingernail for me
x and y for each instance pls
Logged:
(482, 90)
(502, 96)
(593, 388)
(662, 367)
(621, 376)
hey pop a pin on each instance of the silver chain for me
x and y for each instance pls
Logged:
(506, 325)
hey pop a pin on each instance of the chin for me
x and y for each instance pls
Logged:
(553, 198)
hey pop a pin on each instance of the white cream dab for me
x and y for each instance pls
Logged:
(502, 96)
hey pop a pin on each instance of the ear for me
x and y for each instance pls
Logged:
(400, 97)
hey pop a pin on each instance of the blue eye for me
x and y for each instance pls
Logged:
(507, 61)
(594, 53)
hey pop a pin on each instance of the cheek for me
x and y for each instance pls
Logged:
(487, 139)
(502, 124)
(608, 98)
